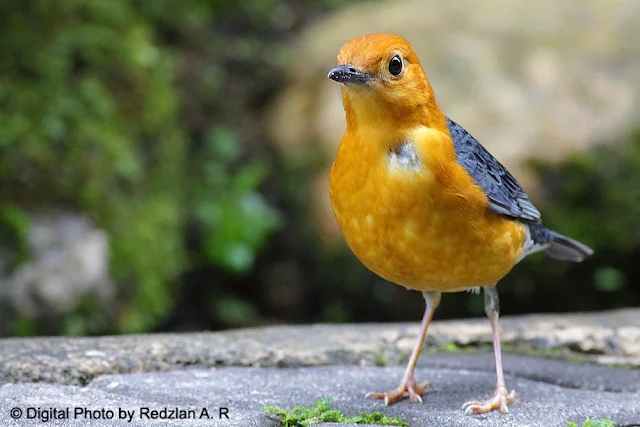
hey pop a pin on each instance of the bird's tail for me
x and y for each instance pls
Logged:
(566, 249)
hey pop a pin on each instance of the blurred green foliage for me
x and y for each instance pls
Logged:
(234, 219)
(91, 117)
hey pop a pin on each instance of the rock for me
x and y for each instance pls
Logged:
(529, 80)
(68, 260)
(629, 341)
(76, 361)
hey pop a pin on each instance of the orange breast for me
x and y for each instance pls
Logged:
(428, 230)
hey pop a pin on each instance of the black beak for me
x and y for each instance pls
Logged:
(348, 74)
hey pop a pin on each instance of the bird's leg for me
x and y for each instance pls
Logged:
(501, 397)
(408, 383)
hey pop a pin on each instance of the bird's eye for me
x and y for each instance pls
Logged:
(395, 66)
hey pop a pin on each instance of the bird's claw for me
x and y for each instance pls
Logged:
(409, 386)
(500, 400)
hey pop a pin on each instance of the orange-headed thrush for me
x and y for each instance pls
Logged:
(420, 202)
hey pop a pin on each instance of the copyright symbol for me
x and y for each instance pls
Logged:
(16, 413)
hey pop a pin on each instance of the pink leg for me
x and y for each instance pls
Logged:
(408, 383)
(501, 398)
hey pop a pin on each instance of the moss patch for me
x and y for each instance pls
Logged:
(302, 416)
(594, 423)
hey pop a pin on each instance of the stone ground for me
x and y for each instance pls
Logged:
(245, 370)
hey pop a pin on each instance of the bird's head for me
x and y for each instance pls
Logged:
(383, 80)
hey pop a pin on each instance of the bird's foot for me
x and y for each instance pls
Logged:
(501, 398)
(407, 385)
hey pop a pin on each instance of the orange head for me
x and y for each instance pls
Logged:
(384, 82)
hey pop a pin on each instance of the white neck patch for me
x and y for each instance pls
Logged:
(405, 157)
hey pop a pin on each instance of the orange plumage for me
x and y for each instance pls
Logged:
(428, 231)
(418, 200)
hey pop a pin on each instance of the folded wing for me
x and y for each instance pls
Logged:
(506, 197)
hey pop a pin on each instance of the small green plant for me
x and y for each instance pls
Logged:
(302, 416)
(594, 423)
(451, 347)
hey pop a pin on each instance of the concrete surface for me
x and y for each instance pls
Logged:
(245, 370)
(245, 391)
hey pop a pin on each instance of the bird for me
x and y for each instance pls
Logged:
(421, 203)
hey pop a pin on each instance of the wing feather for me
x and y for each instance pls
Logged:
(506, 197)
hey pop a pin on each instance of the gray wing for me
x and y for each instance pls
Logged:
(506, 197)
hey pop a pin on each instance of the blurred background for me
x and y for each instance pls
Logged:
(163, 164)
